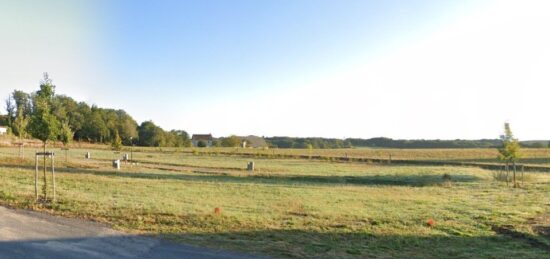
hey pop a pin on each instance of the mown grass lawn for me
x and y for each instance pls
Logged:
(299, 208)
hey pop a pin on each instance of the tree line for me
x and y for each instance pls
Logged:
(290, 142)
(62, 118)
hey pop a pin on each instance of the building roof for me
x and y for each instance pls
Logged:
(254, 141)
(205, 137)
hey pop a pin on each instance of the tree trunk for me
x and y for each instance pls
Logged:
(515, 183)
(45, 188)
(506, 169)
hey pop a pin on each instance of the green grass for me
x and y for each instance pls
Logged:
(297, 207)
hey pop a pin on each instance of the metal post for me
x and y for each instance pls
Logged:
(53, 175)
(36, 176)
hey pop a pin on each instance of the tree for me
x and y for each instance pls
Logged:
(18, 106)
(94, 128)
(43, 124)
(178, 138)
(126, 126)
(150, 135)
(20, 124)
(66, 136)
(117, 141)
(231, 141)
(510, 150)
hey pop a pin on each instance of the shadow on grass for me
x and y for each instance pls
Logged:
(418, 180)
(278, 244)
(532, 161)
(309, 244)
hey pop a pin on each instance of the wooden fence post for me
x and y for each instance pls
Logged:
(514, 176)
(36, 176)
(53, 175)
(506, 170)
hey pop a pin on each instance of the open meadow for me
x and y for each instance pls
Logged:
(296, 207)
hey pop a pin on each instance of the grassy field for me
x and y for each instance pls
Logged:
(300, 207)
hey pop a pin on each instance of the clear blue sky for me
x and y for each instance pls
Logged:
(402, 69)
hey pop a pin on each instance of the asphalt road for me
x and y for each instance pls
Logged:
(27, 234)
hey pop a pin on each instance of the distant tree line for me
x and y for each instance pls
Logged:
(425, 143)
(289, 142)
(82, 122)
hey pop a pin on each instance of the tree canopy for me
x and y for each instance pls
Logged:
(510, 150)
(50, 117)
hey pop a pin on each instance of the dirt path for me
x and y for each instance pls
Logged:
(27, 234)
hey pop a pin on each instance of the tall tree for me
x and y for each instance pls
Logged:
(66, 133)
(510, 150)
(150, 135)
(20, 124)
(43, 124)
(18, 105)
(116, 143)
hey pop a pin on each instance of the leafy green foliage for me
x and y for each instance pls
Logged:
(510, 150)
(231, 141)
(43, 124)
(287, 142)
(42, 112)
(20, 124)
(117, 142)
(66, 135)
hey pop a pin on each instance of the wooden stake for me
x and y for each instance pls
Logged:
(53, 175)
(515, 184)
(506, 169)
(36, 176)
(45, 179)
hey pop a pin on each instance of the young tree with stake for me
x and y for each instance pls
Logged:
(43, 124)
(510, 150)
(66, 136)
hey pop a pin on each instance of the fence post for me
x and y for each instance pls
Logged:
(506, 170)
(514, 164)
(53, 175)
(36, 176)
